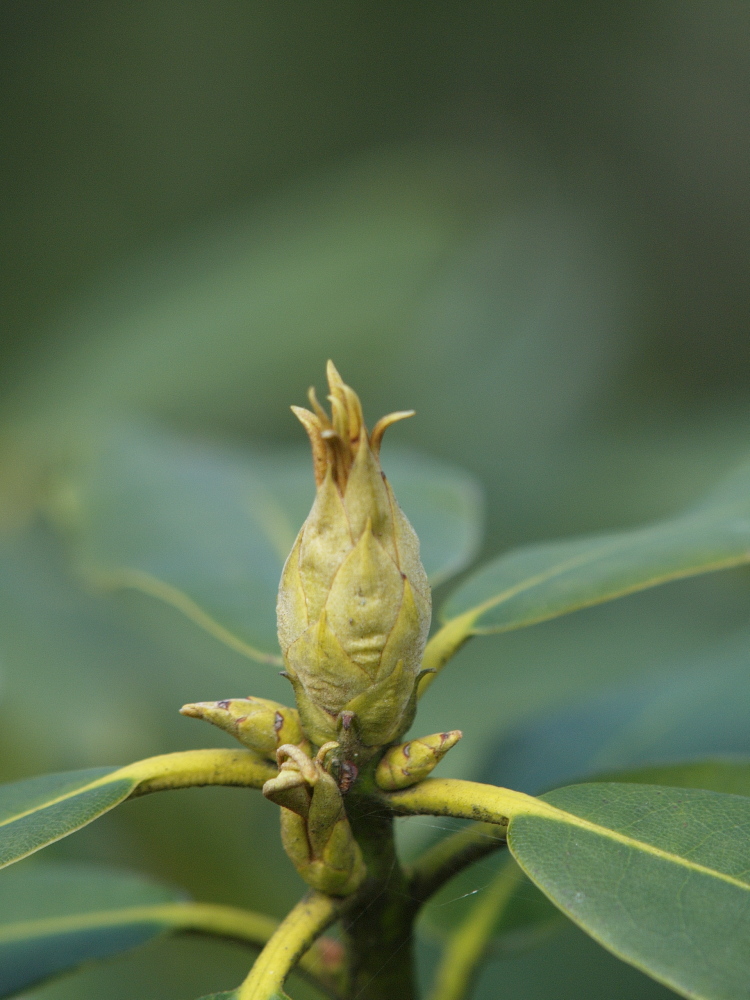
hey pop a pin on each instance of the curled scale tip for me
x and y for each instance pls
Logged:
(335, 380)
(336, 439)
(320, 413)
(376, 438)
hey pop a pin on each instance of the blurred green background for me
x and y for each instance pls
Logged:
(529, 222)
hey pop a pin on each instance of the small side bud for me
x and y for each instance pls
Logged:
(408, 763)
(259, 724)
(314, 828)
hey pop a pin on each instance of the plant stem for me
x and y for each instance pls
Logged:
(253, 929)
(379, 921)
(468, 944)
(292, 938)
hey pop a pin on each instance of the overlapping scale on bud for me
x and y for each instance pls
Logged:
(408, 763)
(354, 602)
(314, 828)
(259, 724)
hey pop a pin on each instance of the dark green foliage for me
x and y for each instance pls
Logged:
(670, 894)
(39, 811)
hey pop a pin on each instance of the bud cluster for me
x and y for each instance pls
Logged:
(314, 828)
(353, 615)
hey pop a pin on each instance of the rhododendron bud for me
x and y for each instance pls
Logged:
(408, 763)
(354, 602)
(259, 724)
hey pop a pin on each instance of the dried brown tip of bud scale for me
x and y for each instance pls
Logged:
(335, 439)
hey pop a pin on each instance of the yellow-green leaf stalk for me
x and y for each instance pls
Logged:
(354, 602)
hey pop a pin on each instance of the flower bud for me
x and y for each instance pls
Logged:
(410, 762)
(259, 724)
(314, 828)
(354, 602)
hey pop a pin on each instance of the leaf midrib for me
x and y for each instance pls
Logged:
(24, 930)
(126, 577)
(106, 779)
(550, 812)
(591, 556)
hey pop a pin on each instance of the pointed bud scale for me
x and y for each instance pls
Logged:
(354, 602)
(411, 762)
(259, 724)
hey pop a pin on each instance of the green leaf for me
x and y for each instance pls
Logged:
(697, 717)
(39, 811)
(208, 529)
(525, 917)
(53, 917)
(544, 581)
(659, 876)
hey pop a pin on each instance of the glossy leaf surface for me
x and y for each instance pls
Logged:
(208, 529)
(659, 876)
(527, 917)
(544, 581)
(53, 917)
(39, 811)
